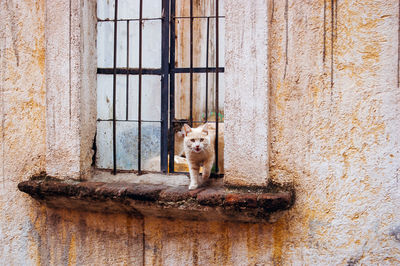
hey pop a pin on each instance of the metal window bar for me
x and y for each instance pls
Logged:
(140, 89)
(191, 63)
(114, 89)
(207, 70)
(171, 146)
(167, 71)
(127, 67)
(164, 86)
(216, 83)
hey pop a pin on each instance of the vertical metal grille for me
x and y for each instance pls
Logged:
(174, 122)
(170, 66)
(114, 88)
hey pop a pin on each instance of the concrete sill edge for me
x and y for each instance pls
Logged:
(213, 202)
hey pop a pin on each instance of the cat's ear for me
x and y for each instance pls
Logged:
(205, 129)
(181, 133)
(186, 129)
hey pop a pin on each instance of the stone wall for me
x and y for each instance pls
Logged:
(334, 120)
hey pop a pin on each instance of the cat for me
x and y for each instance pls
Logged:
(181, 163)
(198, 146)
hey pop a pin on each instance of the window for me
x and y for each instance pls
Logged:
(160, 65)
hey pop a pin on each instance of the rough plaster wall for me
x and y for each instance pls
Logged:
(88, 84)
(70, 87)
(22, 134)
(31, 234)
(334, 127)
(246, 99)
(61, 237)
(335, 120)
(62, 59)
(206, 243)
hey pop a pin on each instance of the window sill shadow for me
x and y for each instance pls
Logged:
(212, 202)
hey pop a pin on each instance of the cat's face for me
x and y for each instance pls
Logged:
(196, 139)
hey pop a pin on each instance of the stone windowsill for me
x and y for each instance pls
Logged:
(213, 202)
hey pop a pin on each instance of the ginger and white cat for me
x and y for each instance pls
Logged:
(193, 158)
(198, 146)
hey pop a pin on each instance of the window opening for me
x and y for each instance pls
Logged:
(159, 64)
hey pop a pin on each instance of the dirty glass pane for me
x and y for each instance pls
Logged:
(127, 147)
(104, 153)
(151, 101)
(128, 9)
(151, 97)
(105, 9)
(134, 44)
(133, 97)
(152, 8)
(151, 136)
(105, 44)
(105, 97)
(151, 44)
(121, 43)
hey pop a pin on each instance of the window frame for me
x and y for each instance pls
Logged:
(169, 67)
(71, 84)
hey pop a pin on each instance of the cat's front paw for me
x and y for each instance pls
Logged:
(193, 186)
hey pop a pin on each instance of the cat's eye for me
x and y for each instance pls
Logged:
(192, 140)
(201, 140)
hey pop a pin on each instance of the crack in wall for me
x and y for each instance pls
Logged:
(324, 44)
(13, 24)
(398, 47)
(69, 61)
(287, 37)
(333, 38)
(2, 61)
(273, 10)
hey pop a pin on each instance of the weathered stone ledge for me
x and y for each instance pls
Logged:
(214, 202)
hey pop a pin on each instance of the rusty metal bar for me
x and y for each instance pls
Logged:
(157, 71)
(115, 89)
(128, 19)
(130, 71)
(216, 84)
(164, 86)
(171, 142)
(191, 63)
(127, 67)
(196, 17)
(129, 120)
(197, 69)
(140, 89)
(187, 121)
(207, 47)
